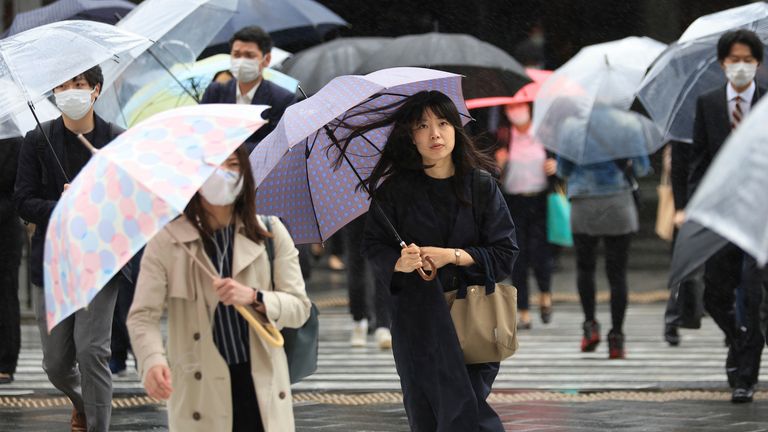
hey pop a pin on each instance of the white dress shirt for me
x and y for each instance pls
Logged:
(245, 99)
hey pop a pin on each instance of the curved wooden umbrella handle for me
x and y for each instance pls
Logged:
(267, 331)
(432, 270)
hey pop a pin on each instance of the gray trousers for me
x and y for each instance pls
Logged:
(76, 354)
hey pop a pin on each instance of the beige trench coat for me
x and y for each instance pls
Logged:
(201, 398)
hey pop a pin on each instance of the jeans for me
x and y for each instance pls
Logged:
(616, 257)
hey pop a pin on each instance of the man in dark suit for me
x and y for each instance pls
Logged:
(718, 112)
(251, 52)
(76, 352)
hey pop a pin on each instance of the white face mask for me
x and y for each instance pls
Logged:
(519, 117)
(222, 187)
(74, 103)
(245, 70)
(740, 74)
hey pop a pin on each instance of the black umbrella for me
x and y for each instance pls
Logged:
(694, 245)
(489, 71)
(106, 11)
(317, 66)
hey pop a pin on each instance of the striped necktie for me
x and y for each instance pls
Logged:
(738, 114)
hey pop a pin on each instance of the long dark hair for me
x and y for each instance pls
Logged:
(245, 206)
(400, 155)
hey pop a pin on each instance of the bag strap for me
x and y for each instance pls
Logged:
(270, 246)
(626, 169)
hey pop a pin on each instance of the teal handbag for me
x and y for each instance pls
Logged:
(559, 218)
(301, 344)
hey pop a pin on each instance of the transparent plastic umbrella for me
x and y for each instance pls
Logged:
(581, 111)
(731, 199)
(181, 29)
(33, 62)
(21, 122)
(689, 67)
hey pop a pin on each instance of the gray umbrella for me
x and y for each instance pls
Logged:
(106, 11)
(693, 247)
(317, 66)
(488, 70)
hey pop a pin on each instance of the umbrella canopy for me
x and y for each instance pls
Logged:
(105, 11)
(488, 70)
(294, 165)
(128, 191)
(181, 29)
(32, 63)
(689, 68)
(19, 123)
(731, 199)
(526, 94)
(694, 245)
(169, 92)
(317, 66)
(581, 111)
(287, 21)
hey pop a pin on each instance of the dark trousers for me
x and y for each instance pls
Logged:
(359, 279)
(616, 257)
(245, 408)
(121, 342)
(440, 392)
(529, 213)
(10, 325)
(723, 273)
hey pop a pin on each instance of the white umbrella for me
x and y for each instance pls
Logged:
(581, 111)
(33, 62)
(181, 29)
(732, 199)
(689, 68)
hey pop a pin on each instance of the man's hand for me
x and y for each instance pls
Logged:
(410, 259)
(158, 382)
(679, 218)
(232, 292)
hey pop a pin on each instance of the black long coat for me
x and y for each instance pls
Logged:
(425, 346)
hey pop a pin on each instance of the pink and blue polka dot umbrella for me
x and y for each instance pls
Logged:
(294, 165)
(128, 191)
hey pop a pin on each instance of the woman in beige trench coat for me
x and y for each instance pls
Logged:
(208, 386)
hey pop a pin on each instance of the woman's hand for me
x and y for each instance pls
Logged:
(410, 259)
(158, 382)
(232, 292)
(550, 167)
(440, 256)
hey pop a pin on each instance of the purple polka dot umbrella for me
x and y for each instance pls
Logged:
(129, 191)
(294, 166)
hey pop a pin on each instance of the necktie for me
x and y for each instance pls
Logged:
(738, 114)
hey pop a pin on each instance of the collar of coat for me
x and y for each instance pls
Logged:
(245, 250)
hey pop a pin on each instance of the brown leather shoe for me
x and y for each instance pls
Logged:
(78, 422)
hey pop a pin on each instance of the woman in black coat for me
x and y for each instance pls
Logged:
(424, 184)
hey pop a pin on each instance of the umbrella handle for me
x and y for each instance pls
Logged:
(432, 270)
(267, 331)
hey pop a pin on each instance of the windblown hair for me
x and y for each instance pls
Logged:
(245, 206)
(400, 155)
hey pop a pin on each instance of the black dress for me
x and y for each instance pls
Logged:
(440, 392)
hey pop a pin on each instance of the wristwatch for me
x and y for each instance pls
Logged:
(457, 254)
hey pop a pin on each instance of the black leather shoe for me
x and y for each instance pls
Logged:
(671, 335)
(742, 395)
(546, 314)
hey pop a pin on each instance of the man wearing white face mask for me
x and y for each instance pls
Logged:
(250, 53)
(76, 352)
(718, 113)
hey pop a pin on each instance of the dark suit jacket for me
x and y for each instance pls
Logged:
(268, 93)
(10, 228)
(40, 182)
(711, 127)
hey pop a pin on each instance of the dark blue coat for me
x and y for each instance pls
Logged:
(438, 387)
(268, 93)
